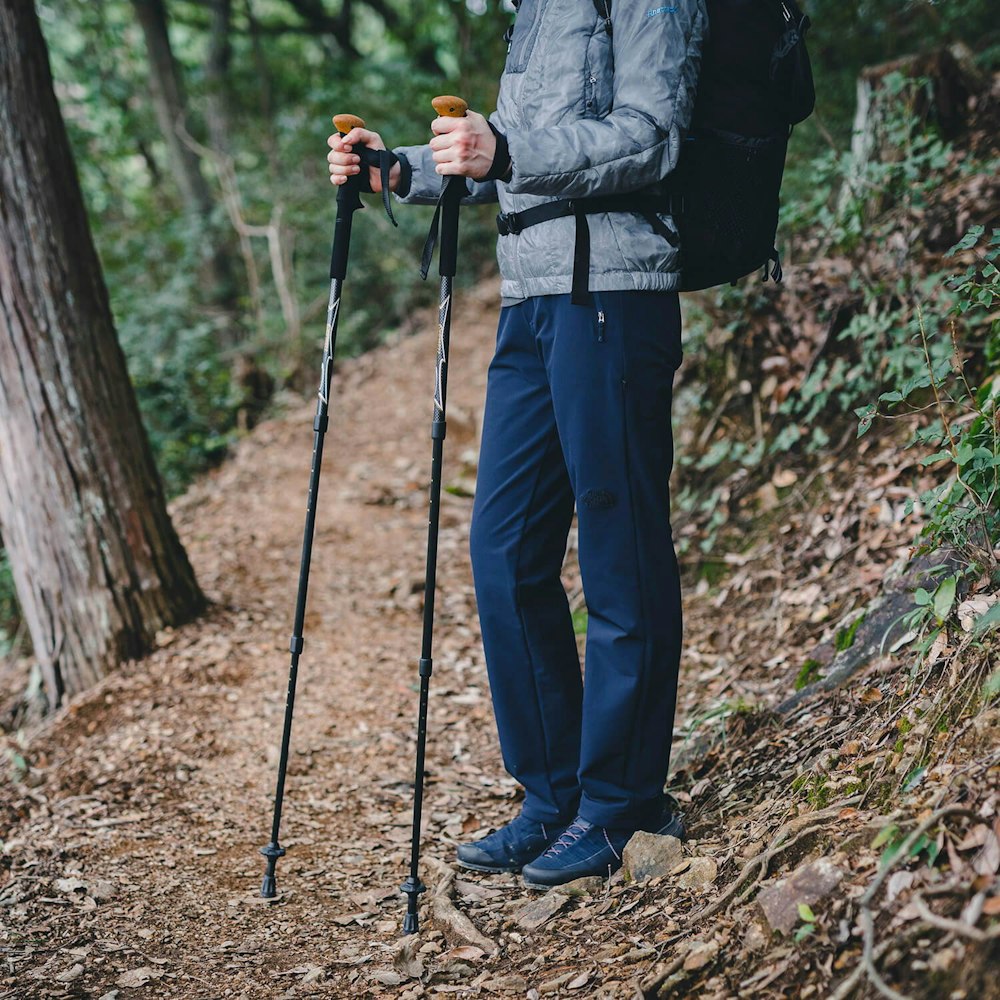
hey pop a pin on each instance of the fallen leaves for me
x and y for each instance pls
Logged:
(135, 978)
(700, 954)
(539, 911)
(971, 610)
(406, 961)
(158, 786)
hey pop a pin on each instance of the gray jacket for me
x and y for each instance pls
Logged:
(587, 114)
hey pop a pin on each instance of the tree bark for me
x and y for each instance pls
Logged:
(97, 564)
(216, 72)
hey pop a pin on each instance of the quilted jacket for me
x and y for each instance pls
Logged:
(587, 113)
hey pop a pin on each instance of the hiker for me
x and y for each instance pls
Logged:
(593, 104)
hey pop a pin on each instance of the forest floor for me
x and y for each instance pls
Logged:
(132, 819)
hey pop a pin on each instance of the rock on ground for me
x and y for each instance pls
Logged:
(648, 855)
(807, 884)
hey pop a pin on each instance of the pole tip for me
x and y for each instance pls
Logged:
(344, 123)
(269, 888)
(448, 106)
(411, 924)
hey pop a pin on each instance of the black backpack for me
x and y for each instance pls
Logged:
(755, 84)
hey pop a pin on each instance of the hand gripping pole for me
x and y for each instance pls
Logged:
(453, 192)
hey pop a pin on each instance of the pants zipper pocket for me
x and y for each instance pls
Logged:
(600, 326)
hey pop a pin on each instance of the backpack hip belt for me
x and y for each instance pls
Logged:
(649, 207)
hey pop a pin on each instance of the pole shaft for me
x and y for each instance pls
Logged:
(449, 252)
(309, 531)
(348, 202)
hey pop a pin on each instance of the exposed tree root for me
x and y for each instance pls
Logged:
(454, 924)
(867, 966)
(762, 861)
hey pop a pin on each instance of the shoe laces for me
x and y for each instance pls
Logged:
(572, 833)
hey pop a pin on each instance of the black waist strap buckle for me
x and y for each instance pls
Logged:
(508, 224)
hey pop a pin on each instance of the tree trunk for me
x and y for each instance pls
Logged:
(216, 72)
(170, 107)
(939, 85)
(96, 562)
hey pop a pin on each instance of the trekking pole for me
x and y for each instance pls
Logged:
(453, 192)
(348, 202)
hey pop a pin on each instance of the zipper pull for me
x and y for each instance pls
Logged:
(600, 327)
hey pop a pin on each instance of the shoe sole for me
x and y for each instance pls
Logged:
(545, 887)
(538, 886)
(469, 866)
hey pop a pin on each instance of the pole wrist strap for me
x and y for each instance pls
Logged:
(427, 256)
(384, 160)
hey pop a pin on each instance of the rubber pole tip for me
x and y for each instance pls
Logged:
(411, 924)
(449, 106)
(344, 123)
(269, 888)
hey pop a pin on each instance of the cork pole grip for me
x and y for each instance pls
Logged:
(450, 107)
(344, 123)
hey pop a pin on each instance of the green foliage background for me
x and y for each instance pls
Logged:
(283, 85)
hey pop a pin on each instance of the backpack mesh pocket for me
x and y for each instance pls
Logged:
(730, 185)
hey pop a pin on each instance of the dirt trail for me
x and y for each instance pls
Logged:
(131, 859)
(165, 774)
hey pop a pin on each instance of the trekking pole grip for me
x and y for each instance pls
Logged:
(344, 123)
(449, 106)
(378, 159)
(348, 202)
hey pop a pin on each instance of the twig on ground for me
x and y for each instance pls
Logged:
(959, 927)
(776, 847)
(763, 860)
(847, 985)
(867, 965)
(911, 839)
(868, 960)
(651, 984)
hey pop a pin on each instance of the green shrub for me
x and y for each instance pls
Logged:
(896, 338)
(10, 613)
(962, 436)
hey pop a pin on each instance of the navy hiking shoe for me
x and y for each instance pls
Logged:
(585, 849)
(510, 847)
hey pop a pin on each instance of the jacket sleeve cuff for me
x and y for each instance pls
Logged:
(419, 183)
(405, 175)
(501, 167)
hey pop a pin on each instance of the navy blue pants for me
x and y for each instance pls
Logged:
(578, 413)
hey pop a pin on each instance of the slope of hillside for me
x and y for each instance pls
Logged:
(130, 863)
